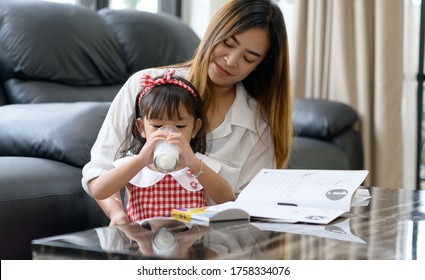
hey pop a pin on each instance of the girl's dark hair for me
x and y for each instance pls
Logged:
(158, 101)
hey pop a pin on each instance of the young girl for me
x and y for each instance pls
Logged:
(164, 101)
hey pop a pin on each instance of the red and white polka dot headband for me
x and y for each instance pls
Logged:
(148, 82)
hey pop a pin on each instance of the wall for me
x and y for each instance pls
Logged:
(198, 13)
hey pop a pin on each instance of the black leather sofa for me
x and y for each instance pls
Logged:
(60, 67)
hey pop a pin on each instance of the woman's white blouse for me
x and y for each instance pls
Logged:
(239, 148)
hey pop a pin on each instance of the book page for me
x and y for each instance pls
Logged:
(278, 213)
(328, 189)
(289, 214)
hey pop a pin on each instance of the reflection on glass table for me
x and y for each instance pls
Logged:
(391, 226)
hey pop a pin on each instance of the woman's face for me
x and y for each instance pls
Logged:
(233, 59)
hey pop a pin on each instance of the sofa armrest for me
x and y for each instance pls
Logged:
(322, 119)
(3, 100)
(63, 132)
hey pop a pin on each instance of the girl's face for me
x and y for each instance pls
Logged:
(187, 125)
(236, 57)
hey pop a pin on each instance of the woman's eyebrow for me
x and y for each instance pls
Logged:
(249, 51)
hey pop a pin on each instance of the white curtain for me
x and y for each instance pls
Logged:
(352, 51)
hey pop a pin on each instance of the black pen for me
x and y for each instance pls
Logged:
(286, 204)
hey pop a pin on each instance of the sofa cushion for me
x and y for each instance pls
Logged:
(69, 44)
(150, 40)
(322, 119)
(59, 131)
(45, 92)
(40, 198)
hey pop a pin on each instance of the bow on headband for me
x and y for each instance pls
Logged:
(148, 82)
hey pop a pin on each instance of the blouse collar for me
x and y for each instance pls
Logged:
(242, 113)
(148, 177)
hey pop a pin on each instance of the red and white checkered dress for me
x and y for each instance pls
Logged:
(154, 194)
(159, 199)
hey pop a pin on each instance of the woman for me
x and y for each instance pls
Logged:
(241, 70)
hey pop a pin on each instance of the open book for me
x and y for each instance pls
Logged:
(288, 195)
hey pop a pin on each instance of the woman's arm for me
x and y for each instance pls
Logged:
(104, 150)
(110, 182)
(111, 134)
(113, 208)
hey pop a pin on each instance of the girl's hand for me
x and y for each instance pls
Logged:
(148, 149)
(187, 156)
